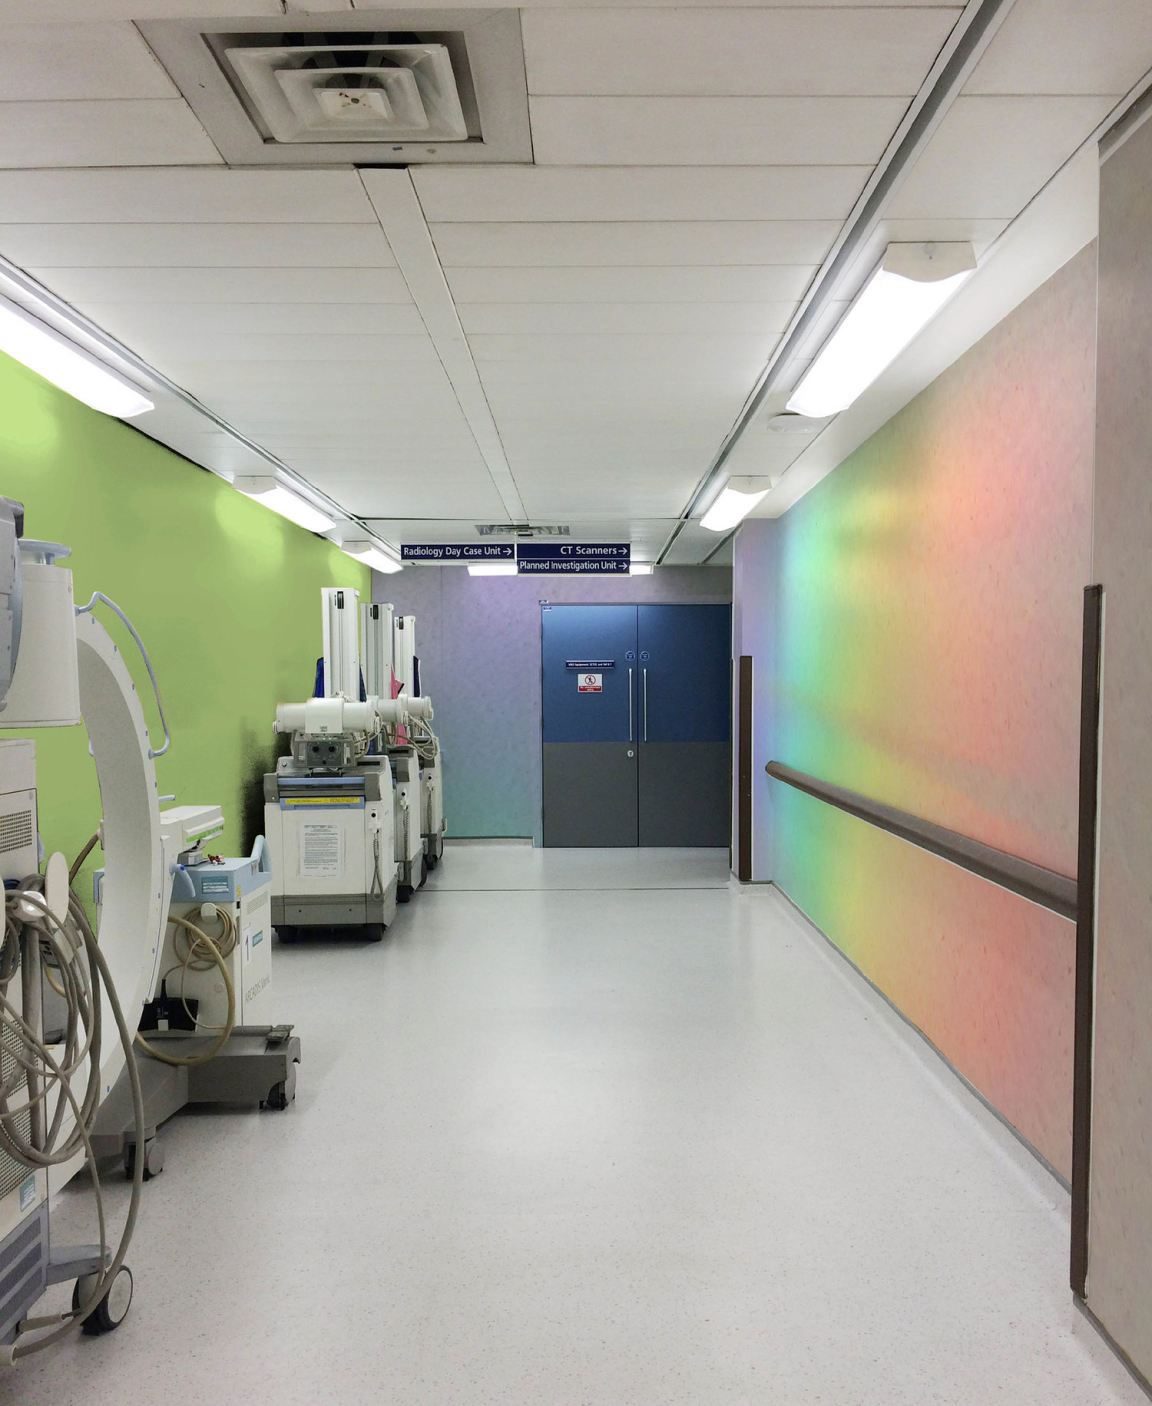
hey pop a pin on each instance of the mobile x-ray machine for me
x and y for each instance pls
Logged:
(345, 812)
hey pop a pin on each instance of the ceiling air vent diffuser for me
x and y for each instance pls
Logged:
(519, 529)
(376, 87)
(364, 92)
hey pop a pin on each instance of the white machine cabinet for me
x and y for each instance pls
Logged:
(332, 847)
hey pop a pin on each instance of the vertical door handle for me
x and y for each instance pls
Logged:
(629, 705)
(645, 705)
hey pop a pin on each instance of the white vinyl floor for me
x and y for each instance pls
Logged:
(593, 1129)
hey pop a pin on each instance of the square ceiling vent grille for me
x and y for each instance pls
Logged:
(387, 88)
(347, 92)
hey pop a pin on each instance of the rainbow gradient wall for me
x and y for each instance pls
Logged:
(915, 624)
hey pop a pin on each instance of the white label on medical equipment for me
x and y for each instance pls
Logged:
(590, 683)
(319, 850)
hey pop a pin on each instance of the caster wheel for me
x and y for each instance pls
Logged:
(403, 893)
(287, 934)
(153, 1159)
(374, 932)
(423, 871)
(282, 1094)
(112, 1309)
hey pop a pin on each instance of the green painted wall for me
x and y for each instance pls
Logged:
(224, 593)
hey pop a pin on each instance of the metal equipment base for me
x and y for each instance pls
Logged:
(257, 1065)
(296, 913)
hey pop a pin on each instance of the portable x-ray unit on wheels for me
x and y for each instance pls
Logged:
(342, 809)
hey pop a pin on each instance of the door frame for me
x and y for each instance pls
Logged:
(538, 837)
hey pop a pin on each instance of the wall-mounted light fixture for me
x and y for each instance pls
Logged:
(911, 285)
(52, 355)
(273, 494)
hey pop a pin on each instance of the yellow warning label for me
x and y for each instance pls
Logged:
(322, 800)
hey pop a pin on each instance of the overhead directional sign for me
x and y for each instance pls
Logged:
(532, 558)
(573, 558)
(458, 551)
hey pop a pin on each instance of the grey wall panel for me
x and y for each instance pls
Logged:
(1120, 1187)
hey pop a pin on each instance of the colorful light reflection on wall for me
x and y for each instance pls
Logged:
(916, 624)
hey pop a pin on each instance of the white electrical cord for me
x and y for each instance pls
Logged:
(200, 952)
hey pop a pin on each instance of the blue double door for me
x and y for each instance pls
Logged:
(636, 725)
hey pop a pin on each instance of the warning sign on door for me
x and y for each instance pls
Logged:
(590, 683)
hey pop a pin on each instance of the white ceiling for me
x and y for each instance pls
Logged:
(568, 341)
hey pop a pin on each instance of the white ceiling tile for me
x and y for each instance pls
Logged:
(991, 155)
(14, 11)
(588, 390)
(202, 196)
(163, 349)
(39, 62)
(732, 51)
(634, 244)
(539, 193)
(50, 11)
(560, 319)
(712, 131)
(248, 286)
(731, 351)
(195, 246)
(678, 284)
(587, 496)
(1068, 46)
(444, 442)
(176, 321)
(141, 132)
(407, 495)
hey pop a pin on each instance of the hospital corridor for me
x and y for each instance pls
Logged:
(575, 766)
(597, 1126)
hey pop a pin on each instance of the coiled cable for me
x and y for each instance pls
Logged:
(200, 952)
(40, 1091)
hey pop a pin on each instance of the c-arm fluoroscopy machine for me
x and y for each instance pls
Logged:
(59, 1078)
(347, 813)
(58, 667)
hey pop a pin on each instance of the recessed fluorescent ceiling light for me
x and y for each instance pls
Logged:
(912, 284)
(283, 501)
(736, 501)
(492, 568)
(372, 555)
(640, 568)
(43, 350)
